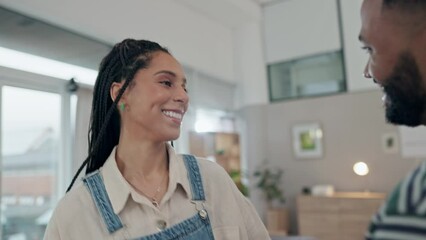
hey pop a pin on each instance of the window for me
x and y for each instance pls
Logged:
(36, 120)
(30, 153)
(35, 134)
(208, 120)
(310, 76)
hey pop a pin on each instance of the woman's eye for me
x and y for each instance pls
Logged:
(167, 83)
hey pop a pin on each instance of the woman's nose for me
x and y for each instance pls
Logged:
(181, 96)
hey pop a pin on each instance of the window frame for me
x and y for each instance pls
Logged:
(293, 62)
(20, 79)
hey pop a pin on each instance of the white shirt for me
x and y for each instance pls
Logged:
(231, 214)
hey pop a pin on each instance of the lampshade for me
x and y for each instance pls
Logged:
(361, 168)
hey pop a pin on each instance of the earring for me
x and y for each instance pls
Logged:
(122, 106)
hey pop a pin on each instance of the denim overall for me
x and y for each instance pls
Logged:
(195, 228)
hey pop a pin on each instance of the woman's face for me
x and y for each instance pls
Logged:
(157, 101)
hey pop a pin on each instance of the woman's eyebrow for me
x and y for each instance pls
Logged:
(166, 72)
(169, 73)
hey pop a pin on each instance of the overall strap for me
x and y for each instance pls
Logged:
(194, 178)
(96, 187)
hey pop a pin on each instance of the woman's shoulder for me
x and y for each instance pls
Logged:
(73, 202)
(209, 166)
(75, 215)
(212, 170)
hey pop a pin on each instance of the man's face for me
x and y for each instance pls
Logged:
(392, 64)
(405, 95)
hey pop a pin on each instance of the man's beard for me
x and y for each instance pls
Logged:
(405, 93)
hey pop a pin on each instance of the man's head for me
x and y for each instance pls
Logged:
(394, 35)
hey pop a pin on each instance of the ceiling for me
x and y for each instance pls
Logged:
(264, 1)
(231, 13)
(35, 37)
(27, 35)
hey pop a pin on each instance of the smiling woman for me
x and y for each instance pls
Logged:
(133, 174)
(156, 101)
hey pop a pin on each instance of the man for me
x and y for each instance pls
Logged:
(394, 35)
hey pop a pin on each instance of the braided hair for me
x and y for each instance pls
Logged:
(121, 64)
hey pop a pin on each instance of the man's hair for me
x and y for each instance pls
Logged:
(405, 5)
(412, 11)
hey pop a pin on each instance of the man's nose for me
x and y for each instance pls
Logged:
(367, 71)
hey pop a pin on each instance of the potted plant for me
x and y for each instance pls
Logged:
(236, 177)
(268, 181)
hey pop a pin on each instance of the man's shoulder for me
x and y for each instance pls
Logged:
(404, 212)
(409, 196)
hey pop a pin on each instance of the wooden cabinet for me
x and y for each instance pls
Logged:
(277, 221)
(223, 147)
(342, 216)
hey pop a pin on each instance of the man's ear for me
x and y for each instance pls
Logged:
(115, 89)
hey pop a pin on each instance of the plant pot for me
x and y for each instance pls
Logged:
(277, 221)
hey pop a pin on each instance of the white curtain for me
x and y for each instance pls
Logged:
(84, 105)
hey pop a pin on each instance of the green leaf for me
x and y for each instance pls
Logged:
(268, 180)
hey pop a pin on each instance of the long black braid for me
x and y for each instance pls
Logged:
(121, 64)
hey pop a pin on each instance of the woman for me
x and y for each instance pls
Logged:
(136, 186)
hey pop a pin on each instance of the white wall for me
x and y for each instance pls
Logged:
(232, 13)
(250, 65)
(291, 29)
(194, 39)
(233, 53)
(355, 58)
(297, 28)
(353, 127)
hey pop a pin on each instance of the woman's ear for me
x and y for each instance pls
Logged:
(115, 89)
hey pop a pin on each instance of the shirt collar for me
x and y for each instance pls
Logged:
(177, 173)
(116, 186)
(119, 189)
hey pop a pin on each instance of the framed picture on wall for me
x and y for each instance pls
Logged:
(307, 140)
(390, 143)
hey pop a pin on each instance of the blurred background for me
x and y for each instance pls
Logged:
(276, 91)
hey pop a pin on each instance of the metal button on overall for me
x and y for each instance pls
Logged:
(161, 225)
(203, 214)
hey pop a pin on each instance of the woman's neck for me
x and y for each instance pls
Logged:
(145, 158)
(144, 165)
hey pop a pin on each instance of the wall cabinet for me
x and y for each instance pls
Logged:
(342, 216)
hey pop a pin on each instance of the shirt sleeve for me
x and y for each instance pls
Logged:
(255, 228)
(52, 231)
(403, 215)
